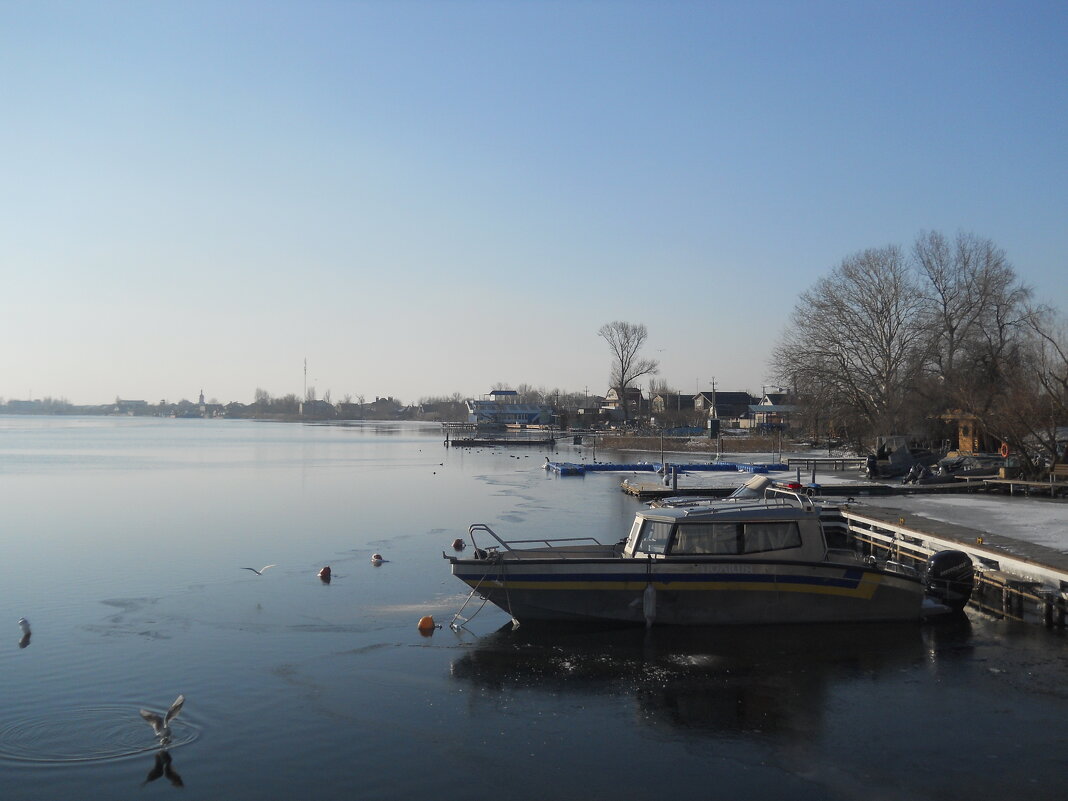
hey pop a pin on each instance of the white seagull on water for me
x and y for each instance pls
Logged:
(260, 571)
(161, 726)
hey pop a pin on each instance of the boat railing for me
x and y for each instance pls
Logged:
(804, 500)
(549, 542)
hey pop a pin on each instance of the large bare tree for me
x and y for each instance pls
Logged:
(977, 312)
(1030, 412)
(625, 340)
(886, 342)
(857, 342)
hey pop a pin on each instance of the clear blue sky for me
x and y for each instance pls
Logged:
(432, 197)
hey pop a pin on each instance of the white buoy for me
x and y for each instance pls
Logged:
(649, 604)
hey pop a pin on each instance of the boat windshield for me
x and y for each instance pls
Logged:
(753, 488)
(654, 536)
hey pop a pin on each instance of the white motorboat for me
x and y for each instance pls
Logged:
(757, 557)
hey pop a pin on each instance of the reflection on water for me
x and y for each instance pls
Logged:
(725, 682)
(61, 736)
(124, 542)
(163, 765)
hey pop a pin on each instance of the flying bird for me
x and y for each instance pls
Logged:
(260, 571)
(161, 726)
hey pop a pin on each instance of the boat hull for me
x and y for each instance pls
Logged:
(692, 593)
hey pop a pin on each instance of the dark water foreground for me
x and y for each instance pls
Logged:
(124, 543)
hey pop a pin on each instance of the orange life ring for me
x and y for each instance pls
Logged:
(1004, 450)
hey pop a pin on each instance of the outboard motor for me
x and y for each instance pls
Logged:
(950, 578)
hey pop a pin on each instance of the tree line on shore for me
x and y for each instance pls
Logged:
(904, 341)
(892, 341)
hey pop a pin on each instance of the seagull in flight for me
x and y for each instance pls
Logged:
(161, 726)
(260, 571)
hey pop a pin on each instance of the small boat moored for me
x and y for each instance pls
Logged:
(757, 557)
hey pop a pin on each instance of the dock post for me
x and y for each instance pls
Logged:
(674, 478)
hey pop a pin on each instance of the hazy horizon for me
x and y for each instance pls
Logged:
(427, 198)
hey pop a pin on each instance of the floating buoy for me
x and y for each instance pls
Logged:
(324, 574)
(426, 624)
(458, 544)
(376, 559)
(649, 604)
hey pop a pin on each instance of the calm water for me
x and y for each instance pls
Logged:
(123, 541)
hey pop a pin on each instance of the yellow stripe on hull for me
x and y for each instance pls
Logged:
(865, 587)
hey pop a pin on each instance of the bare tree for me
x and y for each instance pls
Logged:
(625, 340)
(857, 341)
(1030, 412)
(977, 310)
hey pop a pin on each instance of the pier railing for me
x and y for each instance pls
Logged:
(1013, 579)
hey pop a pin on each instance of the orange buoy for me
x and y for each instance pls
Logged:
(426, 624)
(458, 544)
(324, 574)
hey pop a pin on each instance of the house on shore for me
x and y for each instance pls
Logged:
(772, 413)
(668, 402)
(615, 409)
(730, 408)
(502, 408)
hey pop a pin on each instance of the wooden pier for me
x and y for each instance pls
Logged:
(473, 442)
(1014, 578)
(1054, 488)
(649, 490)
(829, 462)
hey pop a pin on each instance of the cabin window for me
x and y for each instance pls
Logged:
(654, 536)
(770, 536)
(708, 538)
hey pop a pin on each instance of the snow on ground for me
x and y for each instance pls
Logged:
(1036, 520)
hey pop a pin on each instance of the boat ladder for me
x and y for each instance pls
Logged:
(465, 620)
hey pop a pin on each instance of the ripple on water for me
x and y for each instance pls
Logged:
(86, 734)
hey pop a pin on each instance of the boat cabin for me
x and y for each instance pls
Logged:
(768, 529)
